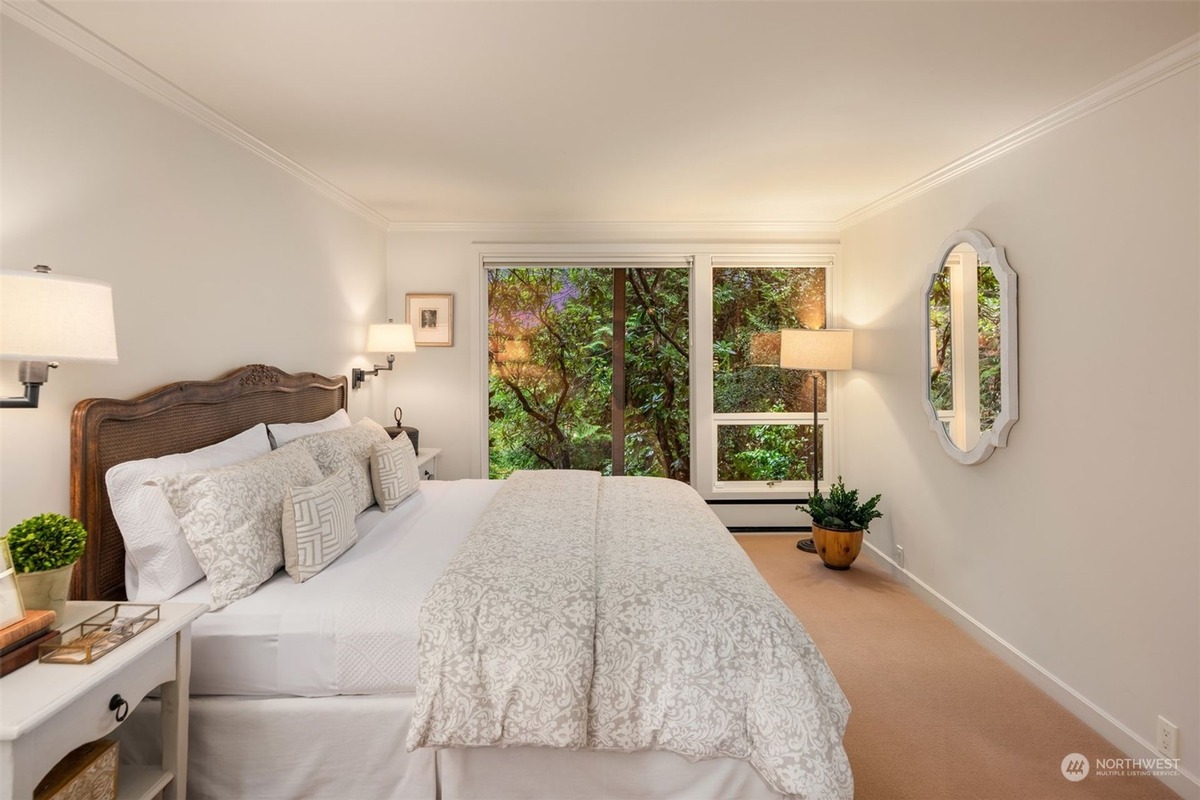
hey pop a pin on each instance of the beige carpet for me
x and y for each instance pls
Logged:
(935, 715)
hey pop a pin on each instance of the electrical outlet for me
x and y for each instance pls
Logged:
(900, 556)
(1168, 739)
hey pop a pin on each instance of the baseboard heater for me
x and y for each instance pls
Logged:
(766, 501)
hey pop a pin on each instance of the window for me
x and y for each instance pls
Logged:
(762, 415)
(588, 369)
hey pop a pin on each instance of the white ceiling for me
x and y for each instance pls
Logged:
(631, 111)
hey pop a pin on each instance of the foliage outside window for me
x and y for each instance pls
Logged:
(552, 365)
(763, 452)
(750, 306)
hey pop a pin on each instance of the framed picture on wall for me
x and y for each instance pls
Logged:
(432, 318)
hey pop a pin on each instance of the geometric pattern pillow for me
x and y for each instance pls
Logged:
(318, 525)
(394, 472)
(347, 450)
(232, 517)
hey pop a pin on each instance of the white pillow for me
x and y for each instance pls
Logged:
(394, 472)
(233, 517)
(318, 525)
(158, 561)
(283, 432)
(349, 451)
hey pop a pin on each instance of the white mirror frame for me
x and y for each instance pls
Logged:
(997, 435)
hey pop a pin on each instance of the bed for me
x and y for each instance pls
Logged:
(308, 689)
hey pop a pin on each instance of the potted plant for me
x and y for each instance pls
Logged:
(44, 551)
(838, 523)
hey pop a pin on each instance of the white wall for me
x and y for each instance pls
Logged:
(217, 259)
(1079, 544)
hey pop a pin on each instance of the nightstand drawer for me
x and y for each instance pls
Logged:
(89, 717)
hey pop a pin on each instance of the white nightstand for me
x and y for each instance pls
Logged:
(47, 710)
(427, 463)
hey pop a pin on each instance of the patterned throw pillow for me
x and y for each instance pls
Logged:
(347, 450)
(232, 517)
(394, 472)
(318, 525)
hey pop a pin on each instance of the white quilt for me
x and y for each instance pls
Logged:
(352, 629)
(618, 614)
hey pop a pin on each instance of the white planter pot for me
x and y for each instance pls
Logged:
(47, 589)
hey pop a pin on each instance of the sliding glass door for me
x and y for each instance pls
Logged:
(588, 369)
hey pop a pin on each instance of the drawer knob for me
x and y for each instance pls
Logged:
(120, 705)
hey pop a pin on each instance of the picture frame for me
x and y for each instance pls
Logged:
(12, 607)
(432, 319)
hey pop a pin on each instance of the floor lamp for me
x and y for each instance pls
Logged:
(815, 351)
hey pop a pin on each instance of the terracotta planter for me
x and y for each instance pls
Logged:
(47, 589)
(837, 549)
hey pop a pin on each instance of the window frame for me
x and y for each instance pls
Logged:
(702, 259)
(825, 258)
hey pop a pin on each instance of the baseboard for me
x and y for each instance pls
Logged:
(1183, 782)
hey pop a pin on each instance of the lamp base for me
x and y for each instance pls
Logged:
(807, 545)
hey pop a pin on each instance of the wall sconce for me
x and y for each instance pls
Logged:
(390, 338)
(46, 318)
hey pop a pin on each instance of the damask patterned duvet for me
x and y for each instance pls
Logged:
(618, 614)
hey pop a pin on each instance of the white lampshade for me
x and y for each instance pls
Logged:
(822, 350)
(46, 317)
(391, 337)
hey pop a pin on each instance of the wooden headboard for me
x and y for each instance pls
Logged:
(173, 419)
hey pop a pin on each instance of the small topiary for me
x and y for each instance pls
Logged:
(47, 541)
(841, 511)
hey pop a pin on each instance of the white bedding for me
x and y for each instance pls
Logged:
(265, 748)
(352, 629)
(617, 614)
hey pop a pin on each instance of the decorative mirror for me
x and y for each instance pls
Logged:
(970, 311)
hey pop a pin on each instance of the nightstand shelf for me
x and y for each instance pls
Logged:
(137, 782)
(47, 710)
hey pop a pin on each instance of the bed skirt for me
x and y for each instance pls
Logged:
(354, 746)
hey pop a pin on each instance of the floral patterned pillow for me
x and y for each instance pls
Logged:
(347, 450)
(232, 517)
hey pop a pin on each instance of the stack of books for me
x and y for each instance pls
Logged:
(19, 641)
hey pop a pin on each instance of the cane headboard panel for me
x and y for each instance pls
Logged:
(174, 419)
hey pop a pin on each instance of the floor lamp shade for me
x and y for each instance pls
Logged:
(46, 317)
(816, 350)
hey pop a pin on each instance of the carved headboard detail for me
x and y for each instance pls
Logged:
(173, 419)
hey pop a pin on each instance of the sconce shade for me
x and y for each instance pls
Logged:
(45, 317)
(822, 350)
(391, 337)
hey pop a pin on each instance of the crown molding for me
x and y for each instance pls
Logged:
(692, 231)
(68, 34)
(71, 36)
(1170, 62)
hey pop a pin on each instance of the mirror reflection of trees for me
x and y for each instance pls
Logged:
(941, 361)
(551, 370)
(941, 378)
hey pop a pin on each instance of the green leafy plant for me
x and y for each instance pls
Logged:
(47, 541)
(841, 511)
